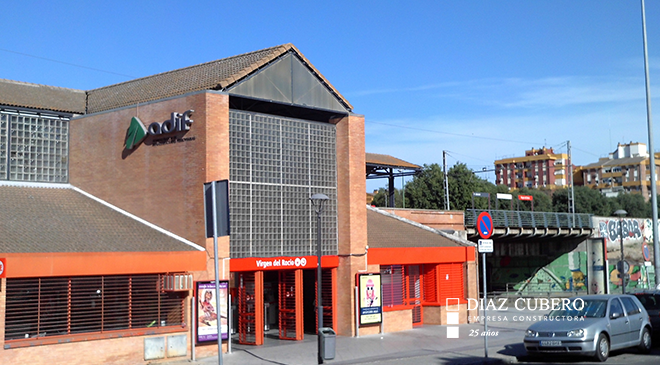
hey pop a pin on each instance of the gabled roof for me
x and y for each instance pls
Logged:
(49, 218)
(385, 230)
(34, 96)
(215, 75)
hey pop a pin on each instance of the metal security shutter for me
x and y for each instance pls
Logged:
(61, 306)
(450, 278)
(392, 281)
(430, 284)
(287, 305)
(414, 283)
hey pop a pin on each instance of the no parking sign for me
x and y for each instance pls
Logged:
(485, 225)
(645, 251)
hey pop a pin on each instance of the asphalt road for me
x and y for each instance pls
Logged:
(505, 346)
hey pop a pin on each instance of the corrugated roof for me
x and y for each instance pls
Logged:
(63, 219)
(386, 160)
(35, 96)
(385, 230)
(214, 75)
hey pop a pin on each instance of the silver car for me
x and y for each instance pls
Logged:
(591, 325)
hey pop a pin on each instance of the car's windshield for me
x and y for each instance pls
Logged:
(649, 301)
(589, 308)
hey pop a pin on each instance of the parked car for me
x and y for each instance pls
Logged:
(650, 299)
(591, 325)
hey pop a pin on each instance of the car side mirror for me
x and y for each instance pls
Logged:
(615, 315)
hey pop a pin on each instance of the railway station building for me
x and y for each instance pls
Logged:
(102, 205)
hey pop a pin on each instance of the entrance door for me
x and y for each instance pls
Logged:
(250, 308)
(290, 305)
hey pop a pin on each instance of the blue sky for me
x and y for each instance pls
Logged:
(483, 80)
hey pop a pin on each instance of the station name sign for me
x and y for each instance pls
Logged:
(281, 263)
(137, 132)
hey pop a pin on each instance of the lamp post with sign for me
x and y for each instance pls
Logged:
(485, 229)
(622, 266)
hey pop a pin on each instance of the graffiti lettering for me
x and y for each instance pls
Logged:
(630, 229)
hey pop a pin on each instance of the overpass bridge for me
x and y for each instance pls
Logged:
(520, 225)
(535, 251)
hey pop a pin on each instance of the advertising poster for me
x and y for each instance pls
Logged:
(371, 308)
(208, 314)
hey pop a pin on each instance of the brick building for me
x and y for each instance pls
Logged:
(538, 168)
(109, 187)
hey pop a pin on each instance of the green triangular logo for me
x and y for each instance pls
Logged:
(135, 134)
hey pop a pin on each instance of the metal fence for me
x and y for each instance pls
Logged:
(527, 219)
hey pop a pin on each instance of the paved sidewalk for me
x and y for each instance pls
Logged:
(425, 341)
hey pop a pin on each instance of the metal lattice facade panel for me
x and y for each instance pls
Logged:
(275, 165)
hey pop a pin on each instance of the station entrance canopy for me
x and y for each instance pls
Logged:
(385, 166)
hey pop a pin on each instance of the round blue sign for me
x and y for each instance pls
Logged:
(485, 225)
(645, 250)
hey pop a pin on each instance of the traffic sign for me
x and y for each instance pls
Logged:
(485, 225)
(622, 266)
(645, 251)
(485, 246)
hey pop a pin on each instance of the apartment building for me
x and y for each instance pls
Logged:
(538, 168)
(624, 170)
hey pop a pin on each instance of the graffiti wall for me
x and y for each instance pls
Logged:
(611, 229)
(525, 270)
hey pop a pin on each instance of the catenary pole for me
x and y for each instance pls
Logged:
(444, 165)
(654, 193)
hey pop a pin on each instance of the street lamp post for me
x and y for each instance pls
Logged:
(621, 213)
(317, 201)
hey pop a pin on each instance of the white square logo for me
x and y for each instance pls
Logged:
(452, 304)
(452, 318)
(452, 332)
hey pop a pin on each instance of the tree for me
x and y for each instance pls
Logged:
(634, 204)
(587, 200)
(462, 183)
(381, 198)
(542, 201)
(427, 190)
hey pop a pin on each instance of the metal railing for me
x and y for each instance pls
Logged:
(527, 219)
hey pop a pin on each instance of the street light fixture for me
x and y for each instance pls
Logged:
(317, 201)
(621, 266)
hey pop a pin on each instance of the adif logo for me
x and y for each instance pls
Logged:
(137, 132)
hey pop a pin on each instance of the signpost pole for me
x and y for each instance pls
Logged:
(483, 255)
(217, 280)
(485, 229)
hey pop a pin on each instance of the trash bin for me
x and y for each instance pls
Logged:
(328, 337)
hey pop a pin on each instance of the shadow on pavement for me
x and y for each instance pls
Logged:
(470, 360)
(516, 349)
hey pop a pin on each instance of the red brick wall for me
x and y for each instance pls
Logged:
(453, 219)
(351, 216)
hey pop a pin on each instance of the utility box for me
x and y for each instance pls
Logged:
(328, 339)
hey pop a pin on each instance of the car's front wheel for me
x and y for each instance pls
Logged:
(602, 348)
(645, 341)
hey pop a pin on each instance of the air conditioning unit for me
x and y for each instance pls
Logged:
(178, 282)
